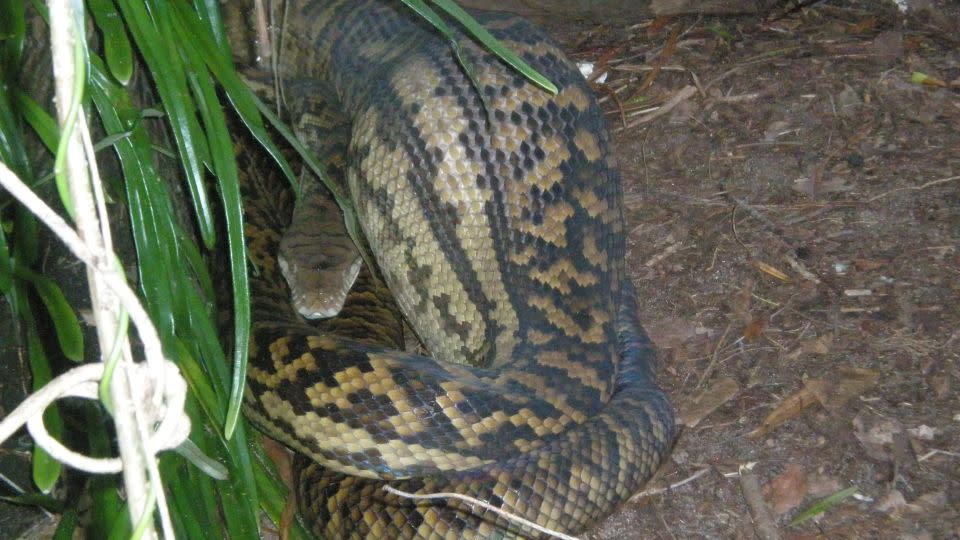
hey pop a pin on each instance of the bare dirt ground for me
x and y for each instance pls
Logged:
(793, 196)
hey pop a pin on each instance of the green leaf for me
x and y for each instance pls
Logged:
(145, 197)
(490, 42)
(68, 524)
(26, 234)
(42, 123)
(438, 23)
(46, 470)
(225, 168)
(243, 101)
(107, 510)
(720, 32)
(198, 266)
(199, 383)
(111, 140)
(121, 529)
(189, 451)
(245, 105)
(116, 46)
(12, 35)
(65, 323)
(48, 503)
(189, 506)
(156, 42)
(209, 12)
(12, 151)
(823, 505)
(241, 500)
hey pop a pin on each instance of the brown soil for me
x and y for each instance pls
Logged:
(793, 199)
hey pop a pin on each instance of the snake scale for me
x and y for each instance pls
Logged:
(497, 224)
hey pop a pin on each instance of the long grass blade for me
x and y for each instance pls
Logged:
(156, 42)
(116, 46)
(46, 470)
(13, 27)
(823, 505)
(491, 43)
(39, 120)
(65, 323)
(225, 168)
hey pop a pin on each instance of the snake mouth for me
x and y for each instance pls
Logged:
(318, 293)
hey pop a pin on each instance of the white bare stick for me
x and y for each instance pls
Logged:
(82, 382)
(671, 487)
(148, 333)
(66, 39)
(486, 506)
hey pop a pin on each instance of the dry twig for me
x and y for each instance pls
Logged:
(483, 504)
(763, 523)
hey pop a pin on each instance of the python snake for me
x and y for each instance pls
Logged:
(497, 224)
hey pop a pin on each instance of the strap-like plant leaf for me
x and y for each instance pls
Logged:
(156, 41)
(42, 123)
(823, 505)
(65, 323)
(491, 43)
(116, 46)
(46, 470)
(68, 524)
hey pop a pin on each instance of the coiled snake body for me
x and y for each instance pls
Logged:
(497, 224)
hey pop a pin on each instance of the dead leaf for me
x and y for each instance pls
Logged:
(755, 329)
(941, 386)
(831, 394)
(822, 485)
(775, 130)
(790, 407)
(772, 271)
(867, 24)
(742, 301)
(671, 333)
(923, 432)
(683, 112)
(877, 435)
(819, 345)
(918, 77)
(865, 265)
(787, 490)
(707, 401)
(848, 382)
(933, 501)
(916, 535)
(888, 46)
(657, 25)
(808, 187)
(848, 102)
(281, 458)
(891, 502)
